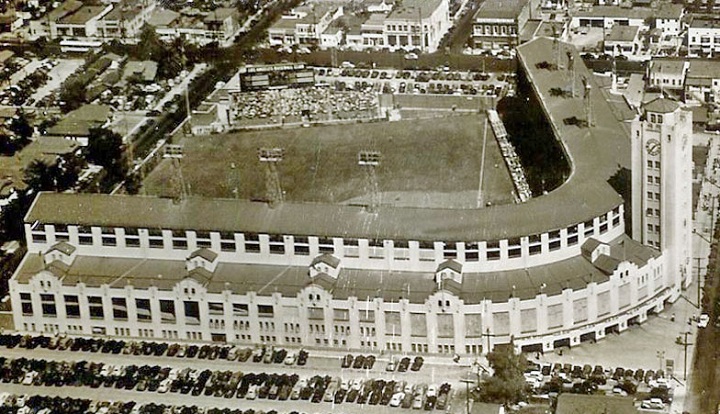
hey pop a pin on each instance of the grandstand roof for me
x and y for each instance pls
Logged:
(574, 273)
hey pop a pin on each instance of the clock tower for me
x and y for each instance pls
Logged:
(662, 187)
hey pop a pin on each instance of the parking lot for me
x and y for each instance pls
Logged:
(221, 376)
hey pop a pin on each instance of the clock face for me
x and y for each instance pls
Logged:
(652, 147)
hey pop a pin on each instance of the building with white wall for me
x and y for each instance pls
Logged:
(417, 24)
(667, 74)
(703, 36)
(622, 40)
(662, 173)
(553, 271)
(702, 83)
(498, 23)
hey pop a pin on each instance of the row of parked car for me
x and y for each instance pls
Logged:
(586, 379)
(25, 404)
(111, 346)
(227, 384)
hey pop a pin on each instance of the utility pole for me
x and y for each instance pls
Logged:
(661, 359)
(467, 382)
(684, 342)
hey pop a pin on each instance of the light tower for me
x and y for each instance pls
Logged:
(270, 157)
(588, 102)
(572, 72)
(175, 153)
(369, 161)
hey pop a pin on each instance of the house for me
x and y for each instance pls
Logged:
(41, 27)
(303, 25)
(199, 27)
(12, 168)
(379, 6)
(144, 71)
(668, 18)
(332, 36)
(703, 36)
(372, 31)
(126, 19)
(76, 125)
(623, 40)
(82, 22)
(608, 15)
(702, 81)
(417, 24)
(667, 74)
(497, 23)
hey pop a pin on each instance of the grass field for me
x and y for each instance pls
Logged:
(430, 157)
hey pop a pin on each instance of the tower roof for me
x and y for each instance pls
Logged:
(661, 105)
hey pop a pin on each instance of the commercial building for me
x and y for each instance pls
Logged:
(417, 24)
(497, 23)
(703, 36)
(553, 271)
(667, 74)
(303, 25)
(702, 82)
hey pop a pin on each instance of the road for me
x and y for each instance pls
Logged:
(705, 380)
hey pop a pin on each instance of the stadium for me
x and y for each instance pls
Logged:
(314, 262)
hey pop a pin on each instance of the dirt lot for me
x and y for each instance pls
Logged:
(441, 155)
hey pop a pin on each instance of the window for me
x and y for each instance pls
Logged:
(192, 312)
(95, 304)
(376, 248)
(179, 239)
(202, 239)
(472, 252)
(72, 306)
(326, 245)
(47, 301)
(350, 247)
(167, 311)
(227, 241)
(301, 245)
(216, 308)
(450, 251)
(39, 237)
(252, 243)
(265, 311)
(143, 309)
(367, 315)
(277, 244)
(26, 304)
(493, 250)
(155, 238)
(240, 309)
(119, 309)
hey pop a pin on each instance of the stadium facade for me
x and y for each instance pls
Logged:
(553, 271)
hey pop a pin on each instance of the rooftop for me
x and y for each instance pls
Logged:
(44, 148)
(79, 121)
(665, 11)
(667, 66)
(704, 22)
(146, 70)
(500, 9)
(574, 273)
(162, 17)
(620, 33)
(661, 105)
(82, 15)
(703, 68)
(414, 9)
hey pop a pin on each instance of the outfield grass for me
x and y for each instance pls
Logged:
(432, 156)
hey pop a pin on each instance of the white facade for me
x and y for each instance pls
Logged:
(206, 285)
(703, 37)
(662, 173)
(415, 28)
(667, 74)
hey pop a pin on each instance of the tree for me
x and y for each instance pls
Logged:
(21, 126)
(41, 176)
(11, 217)
(105, 148)
(507, 385)
(72, 93)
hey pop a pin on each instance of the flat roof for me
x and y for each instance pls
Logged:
(620, 33)
(500, 9)
(574, 273)
(704, 22)
(667, 66)
(82, 15)
(703, 68)
(412, 9)
(616, 12)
